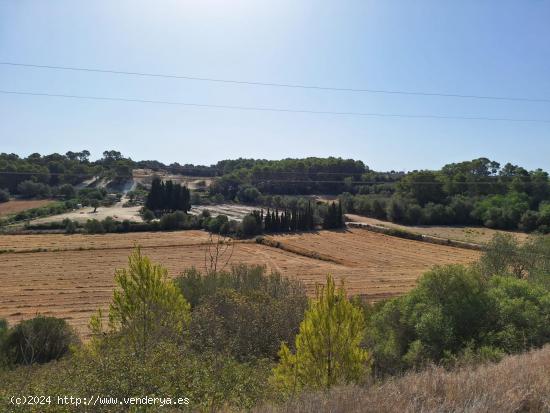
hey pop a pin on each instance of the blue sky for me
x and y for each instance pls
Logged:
(479, 47)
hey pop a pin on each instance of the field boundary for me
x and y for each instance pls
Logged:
(394, 232)
(126, 247)
(297, 250)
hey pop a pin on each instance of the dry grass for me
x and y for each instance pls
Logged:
(15, 206)
(517, 384)
(71, 276)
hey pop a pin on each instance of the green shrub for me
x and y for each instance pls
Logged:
(172, 221)
(245, 312)
(250, 226)
(4, 195)
(454, 308)
(93, 226)
(39, 340)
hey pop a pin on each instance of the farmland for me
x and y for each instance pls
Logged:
(15, 206)
(71, 276)
(478, 235)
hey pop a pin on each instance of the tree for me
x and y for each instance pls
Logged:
(147, 307)
(31, 189)
(94, 203)
(67, 191)
(423, 186)
(154, 198)
(250, 225)
(328, 346)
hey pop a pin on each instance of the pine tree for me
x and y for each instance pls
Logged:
(147, 306)
(328, 345)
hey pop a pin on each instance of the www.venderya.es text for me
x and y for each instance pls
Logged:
(96, 400)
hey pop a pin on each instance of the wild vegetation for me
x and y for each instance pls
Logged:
(241, 337)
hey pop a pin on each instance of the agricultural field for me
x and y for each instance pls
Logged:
(478, 235)
(71, 276)
(233, 211)
(18, 205)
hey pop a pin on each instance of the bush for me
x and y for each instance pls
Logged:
(31, 189)
(4, 195)
(244, 312)
(39, 340)
(93, 226)
(454, 310)
(250, 226)
(248, 194)
(147, 215)
(67, 191)
(70, 226)
(173, 221)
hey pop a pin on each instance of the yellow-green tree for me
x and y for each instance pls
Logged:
(147, 307)
(328, 345)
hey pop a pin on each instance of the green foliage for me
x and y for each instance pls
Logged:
(245, 313)
(4, 195)
(502, 211)
(328, 346)
(166, 197)
(210, 382)
(251, 225)
(147, 215)
(146, 306)
(455, 310)
(174, 220)
(93, 226)
(38, 340)
(505, 255)
(287, 176)
(423, 187)
(248, 194)
(334, 217)
(31, 189)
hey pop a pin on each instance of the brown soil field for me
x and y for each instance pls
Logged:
(15, 206)
(68, 279)
(478, 235)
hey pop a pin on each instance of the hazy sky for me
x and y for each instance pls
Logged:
(480, 47)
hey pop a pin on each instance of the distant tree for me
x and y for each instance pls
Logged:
(31, 189)
(328, 346)
(248, 194)
(423, 186)
(166, 197)
(67, 191)
(94, 203)
(250, 225)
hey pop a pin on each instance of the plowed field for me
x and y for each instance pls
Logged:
(71, 276)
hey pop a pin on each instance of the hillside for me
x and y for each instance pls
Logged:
(519, 383)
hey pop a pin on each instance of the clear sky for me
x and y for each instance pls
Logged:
(481, 47)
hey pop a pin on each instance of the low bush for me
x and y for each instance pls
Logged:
(4, 195)
(38, 340)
